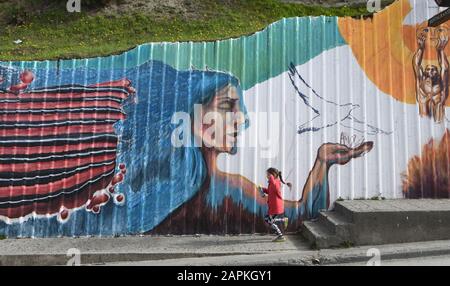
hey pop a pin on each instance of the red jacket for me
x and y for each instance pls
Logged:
(275, 200)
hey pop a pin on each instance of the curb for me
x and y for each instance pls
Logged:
(276, 258)
(386, 252)
(330, 260)
(98, 258)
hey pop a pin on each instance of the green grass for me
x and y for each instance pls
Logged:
(57, 34)
(346, 244)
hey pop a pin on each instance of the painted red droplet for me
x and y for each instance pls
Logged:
(121, 166)
(64, 214)
(117, 179)
(94, 201)
(119, 198)
(131, 90)
(18, 87)
(123, 171)
(96, 209)
(111, 190)
(27, 77)
(98, 199)
(103, 198)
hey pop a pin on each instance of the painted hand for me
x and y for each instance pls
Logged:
(421, 39)
(333, 153)
(260, 189)
(441, 42)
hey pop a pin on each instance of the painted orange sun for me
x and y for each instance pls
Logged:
(384, 48)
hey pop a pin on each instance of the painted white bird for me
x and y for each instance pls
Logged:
(317, 106)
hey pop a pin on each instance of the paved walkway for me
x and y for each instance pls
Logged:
(423, 253)
(53, 251)
(202, 250)
(242, 244)
(443, 260)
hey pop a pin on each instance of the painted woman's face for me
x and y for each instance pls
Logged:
(221, 120)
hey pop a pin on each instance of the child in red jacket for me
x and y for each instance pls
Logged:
(275, 202)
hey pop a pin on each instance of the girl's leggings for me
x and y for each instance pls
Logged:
(272, 221)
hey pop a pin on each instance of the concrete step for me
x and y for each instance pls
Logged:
(396, 221)
(319, 236)
(336, 223)
(372, 222)
(341, 208)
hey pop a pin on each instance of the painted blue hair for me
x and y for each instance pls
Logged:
(161, 177)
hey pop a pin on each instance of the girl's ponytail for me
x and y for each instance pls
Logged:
(281, 179)
(277, 173)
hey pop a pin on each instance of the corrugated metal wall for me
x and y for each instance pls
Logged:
(176, 137)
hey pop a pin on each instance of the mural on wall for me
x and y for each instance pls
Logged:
(432, 81)
(70, 148)
(58, 147)
(427, 175)
(176, 137)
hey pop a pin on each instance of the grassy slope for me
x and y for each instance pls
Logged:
(56, 33)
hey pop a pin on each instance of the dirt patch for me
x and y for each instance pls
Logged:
(160, 8)
(336, 3)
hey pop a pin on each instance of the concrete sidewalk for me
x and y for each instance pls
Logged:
(53, 251)
(201, 250)
(411, 253)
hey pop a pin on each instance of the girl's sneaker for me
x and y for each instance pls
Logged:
(286, 223)
(279, 238)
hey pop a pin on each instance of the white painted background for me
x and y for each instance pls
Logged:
(337, 76)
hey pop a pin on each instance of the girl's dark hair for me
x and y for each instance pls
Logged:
(277, 173)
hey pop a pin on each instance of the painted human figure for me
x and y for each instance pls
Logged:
(196, 215)
(431, 81)
(182, 190)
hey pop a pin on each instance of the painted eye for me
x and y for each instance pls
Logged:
(226, 105)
